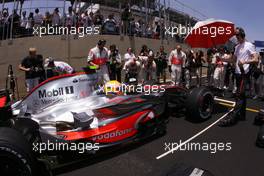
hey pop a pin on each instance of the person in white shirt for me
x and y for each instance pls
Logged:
(176, 59)
(56, 17)
(85, 19)
(110, 18)
(59, 67)
(245, 54)
(219, 72)
(129, 55)
(70, 18)
(4, 16)
(98, 57)
(149, 68)
(132, 68)
(38, 18)
(23, 21)
(30, 21)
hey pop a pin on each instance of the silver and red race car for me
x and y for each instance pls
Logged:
(69, 111)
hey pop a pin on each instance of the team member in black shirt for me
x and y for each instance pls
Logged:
(32, 65)
(161, 62)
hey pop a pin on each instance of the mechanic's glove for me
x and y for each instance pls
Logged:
(93, 67)
(170, 69)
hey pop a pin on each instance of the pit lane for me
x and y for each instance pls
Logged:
(243, 159)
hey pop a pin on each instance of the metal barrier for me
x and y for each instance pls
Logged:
(13, 30)
(10, 29)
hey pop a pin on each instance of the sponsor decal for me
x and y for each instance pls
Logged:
(50, 101)
(75, 81)
(112, 134)
(69, 90)
(87, 79)
(56, 100)
(56, 92)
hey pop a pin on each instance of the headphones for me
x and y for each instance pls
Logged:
(241, 32)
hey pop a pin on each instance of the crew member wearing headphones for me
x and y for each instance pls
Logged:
(244, 55)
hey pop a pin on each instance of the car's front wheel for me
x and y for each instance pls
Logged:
(199, 104)
(16, 157)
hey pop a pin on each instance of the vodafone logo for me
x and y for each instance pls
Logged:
(112, 134)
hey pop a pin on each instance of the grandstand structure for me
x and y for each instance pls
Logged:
(147, 9)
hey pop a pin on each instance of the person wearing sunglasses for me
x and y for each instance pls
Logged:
(245, 55)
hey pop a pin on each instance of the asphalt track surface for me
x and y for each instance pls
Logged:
(244, 158)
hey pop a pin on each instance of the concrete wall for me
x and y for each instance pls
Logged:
(58, 47)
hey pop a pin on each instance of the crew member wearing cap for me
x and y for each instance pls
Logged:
(98, 57)
(176, 59)
(32, 65)
(244, 55)
(54, 68)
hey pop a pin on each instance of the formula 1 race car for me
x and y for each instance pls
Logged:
(66, 111)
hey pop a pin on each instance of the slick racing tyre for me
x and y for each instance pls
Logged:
(260, 137)
(16, 157)
(199, 104)
(259, 119)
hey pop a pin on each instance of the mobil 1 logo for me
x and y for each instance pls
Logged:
(56, 92)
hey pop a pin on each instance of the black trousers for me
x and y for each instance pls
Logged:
(115, 73)
(241, 100)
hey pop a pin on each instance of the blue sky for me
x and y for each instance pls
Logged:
(246, 14)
